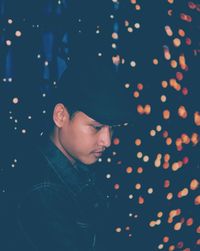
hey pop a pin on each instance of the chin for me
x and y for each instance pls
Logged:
(89, 161)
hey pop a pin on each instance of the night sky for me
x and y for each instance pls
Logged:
(150, 175)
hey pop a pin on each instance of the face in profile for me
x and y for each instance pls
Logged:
(80, 138)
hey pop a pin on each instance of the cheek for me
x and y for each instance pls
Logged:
(80, 141)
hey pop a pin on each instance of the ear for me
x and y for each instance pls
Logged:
(60, 115)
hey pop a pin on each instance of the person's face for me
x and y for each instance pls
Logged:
(81, 138)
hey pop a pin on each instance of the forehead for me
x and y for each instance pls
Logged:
(85, 118)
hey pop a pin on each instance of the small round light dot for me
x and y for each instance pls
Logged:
(152, 224)
(173, 63)
(23, 131)
(160, 214)
(177, 226)
(161, 246)
(138, 186)
(152, 133)
(127, 85)
(13, 165)
(133, 63)
(130, 29)
(146, 158)
(166, 114)
(44, 95)
(44, 111)
(138, 142)
(168, 141)
(150, 190)
(114, 46)
(158, 128)
(147, 109)
(181, 32)
(140, 170)
(141, 200)
(137, 25)
(137, 7)
(18, 33)
(116, 186)
(118, 229)
(15, 160)
(139, 155)
(10, 21)
(46, 63)
(109, 160)
(140, 86)
(158, 222)
(155, 61)
(169, 196)
(115, 35)
(136, 94)
(108, 176)
(177, 42)
(164, 84)
(15, 100)
(163, 98)
(8, 42)
(129, 169)
(116, 141)
(130, 196)
(29, 117)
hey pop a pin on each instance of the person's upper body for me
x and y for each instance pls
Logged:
(58, 206)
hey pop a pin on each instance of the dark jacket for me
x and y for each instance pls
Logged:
(58, 206)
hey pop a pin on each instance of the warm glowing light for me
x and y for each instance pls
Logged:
(194, 184)
(177, 42)
(166, 114)
(182, 112)
(169, 31)
(197, 118)
(164, 84)
(129, 169)
(138, 142)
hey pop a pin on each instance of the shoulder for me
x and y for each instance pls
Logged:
(46, 201)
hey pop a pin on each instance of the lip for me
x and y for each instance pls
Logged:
(98, 154)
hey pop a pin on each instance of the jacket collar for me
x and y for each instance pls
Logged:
(76, 177)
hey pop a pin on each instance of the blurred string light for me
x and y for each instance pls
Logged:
(174, 54)
(172, 159)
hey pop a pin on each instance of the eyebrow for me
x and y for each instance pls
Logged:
(97, 124)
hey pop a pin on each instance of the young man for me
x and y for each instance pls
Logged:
(58, 205)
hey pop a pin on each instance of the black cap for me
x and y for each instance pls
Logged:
(92, 85)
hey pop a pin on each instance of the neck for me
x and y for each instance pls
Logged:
(60, 147)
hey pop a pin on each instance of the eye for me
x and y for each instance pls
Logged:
(97, 128)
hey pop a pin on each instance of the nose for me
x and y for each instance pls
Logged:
(105, 137)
